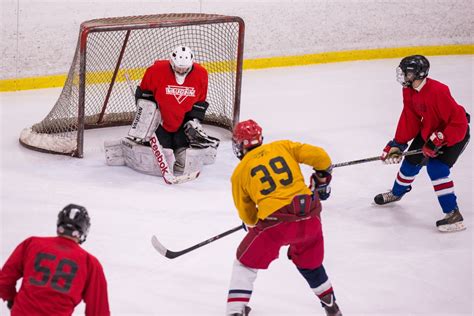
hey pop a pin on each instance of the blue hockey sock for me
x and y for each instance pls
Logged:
(318, 280)
(406, 175)
(442, 184)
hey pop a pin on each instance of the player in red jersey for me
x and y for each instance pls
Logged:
(171, 103)
(272, 198)
(57, 273)
(438, 125)
(179, 88)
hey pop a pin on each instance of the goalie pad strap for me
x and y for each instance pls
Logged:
(146, 121)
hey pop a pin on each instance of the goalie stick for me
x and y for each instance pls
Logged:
(355, 162)
(173, 254)
(157, 150)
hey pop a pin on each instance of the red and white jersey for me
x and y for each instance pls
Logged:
(432, 109)
(175, 100)
(57, 274)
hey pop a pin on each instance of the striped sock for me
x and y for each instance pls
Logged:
(405, 177)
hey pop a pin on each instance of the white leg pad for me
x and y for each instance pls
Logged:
(141, 158)
(194, 160)
(114, 153)
(209, 155)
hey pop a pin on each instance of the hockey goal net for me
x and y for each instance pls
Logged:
(96, 93)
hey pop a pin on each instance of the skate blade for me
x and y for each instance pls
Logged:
(452, 227)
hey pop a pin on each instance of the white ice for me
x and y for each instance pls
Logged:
(382, 261)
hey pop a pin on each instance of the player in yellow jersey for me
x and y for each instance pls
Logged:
(278, 208)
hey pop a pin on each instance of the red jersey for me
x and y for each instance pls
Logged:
(57, 274)
(432, 109)
(175, 100)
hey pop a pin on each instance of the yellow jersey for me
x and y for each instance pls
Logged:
(269, 176)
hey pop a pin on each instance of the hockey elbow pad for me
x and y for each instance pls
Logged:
(198, 111)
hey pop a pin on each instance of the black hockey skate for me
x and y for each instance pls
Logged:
(453, 221)
(388, 197)
(330, 305)
(246, 312)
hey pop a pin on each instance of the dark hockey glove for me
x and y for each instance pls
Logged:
(10, 304)
(433, 145)
(198, 111)
(319, 183)
(392, 153)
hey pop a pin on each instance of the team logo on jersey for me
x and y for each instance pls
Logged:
(180, 93)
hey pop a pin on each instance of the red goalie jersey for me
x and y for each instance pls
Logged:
(175, 100)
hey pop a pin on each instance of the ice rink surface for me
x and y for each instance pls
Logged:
(382, 261)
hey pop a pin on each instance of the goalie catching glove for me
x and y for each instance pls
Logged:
(193, 130)
(197, 137)
(319, 183)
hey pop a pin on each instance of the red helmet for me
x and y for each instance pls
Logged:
(246, 135)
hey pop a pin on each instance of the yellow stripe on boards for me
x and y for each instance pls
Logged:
(32, 83)
(257, 63)
(352, 55)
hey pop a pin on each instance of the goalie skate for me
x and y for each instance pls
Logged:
(452, 222)
(197, 137)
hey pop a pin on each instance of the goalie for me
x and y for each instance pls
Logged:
(171, 103)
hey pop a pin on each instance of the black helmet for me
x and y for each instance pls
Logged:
(74, 221)
(412, 68)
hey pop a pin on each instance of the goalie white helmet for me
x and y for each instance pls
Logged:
(181, 60)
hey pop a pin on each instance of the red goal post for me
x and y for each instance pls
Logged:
(96, 93)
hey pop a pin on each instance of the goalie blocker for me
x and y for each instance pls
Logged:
(134, 151)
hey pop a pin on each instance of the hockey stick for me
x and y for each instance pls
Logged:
(355, 162)
(168, 176)
(173, 254)
(157, 150)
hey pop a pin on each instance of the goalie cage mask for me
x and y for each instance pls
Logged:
(181, 61)
(246, 136)
(412, 68)
(74, 221)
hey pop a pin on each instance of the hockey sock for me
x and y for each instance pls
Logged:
(442, 184)
(318, 281)
(241, 287)
(406, 175)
